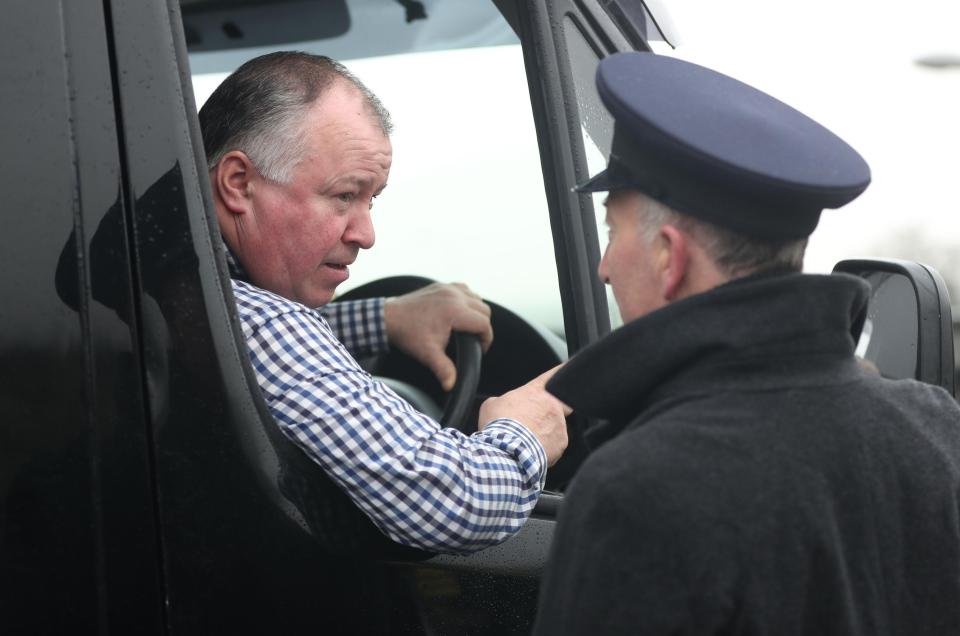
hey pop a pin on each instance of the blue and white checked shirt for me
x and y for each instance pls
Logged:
(424, 486)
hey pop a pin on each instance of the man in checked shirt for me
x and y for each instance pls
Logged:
(297, 150)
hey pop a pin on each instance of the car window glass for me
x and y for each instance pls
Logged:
(596, 127)
(465, 200)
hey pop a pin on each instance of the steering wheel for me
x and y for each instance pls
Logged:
(467, 354)
(412, 381)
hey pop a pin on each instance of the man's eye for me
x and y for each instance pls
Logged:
(346, 197)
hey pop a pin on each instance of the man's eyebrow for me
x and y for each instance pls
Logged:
(355, 180)
(359, 182)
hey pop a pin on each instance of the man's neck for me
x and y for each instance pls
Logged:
(234, 266)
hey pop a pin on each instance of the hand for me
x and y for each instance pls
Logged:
(536, 409)
(420, 323)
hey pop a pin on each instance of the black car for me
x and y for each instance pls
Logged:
(143, 485)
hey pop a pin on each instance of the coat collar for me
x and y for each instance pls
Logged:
(764, 330)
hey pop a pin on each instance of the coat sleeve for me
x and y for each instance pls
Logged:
(629, 557)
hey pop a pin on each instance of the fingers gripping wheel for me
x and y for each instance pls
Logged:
(416, 384)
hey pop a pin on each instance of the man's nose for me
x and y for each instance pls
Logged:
(602, 269)
(360, 229)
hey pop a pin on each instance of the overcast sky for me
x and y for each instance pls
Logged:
(850, 64)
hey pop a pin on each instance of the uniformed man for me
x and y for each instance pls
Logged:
(755, 480)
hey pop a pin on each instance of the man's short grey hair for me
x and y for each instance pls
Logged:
(734, 255)
(259, 110)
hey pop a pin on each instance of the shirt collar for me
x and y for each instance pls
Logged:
(236, 270)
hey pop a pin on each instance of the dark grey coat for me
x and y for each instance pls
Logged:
(757, 480)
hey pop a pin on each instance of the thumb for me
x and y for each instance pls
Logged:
(444, 369)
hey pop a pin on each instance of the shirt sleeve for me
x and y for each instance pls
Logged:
(358, 324)
(423, 486)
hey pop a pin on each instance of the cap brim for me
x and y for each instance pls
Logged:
(600, 182)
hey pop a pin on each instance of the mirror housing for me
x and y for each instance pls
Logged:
(908, 331)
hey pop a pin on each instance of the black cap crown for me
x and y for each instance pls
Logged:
(719, 150)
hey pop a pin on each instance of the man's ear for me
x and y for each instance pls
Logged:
(673, 261)
(231, 180)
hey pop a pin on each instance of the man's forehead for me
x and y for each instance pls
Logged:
(624, 198)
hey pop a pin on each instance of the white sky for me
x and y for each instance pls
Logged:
(850, 65)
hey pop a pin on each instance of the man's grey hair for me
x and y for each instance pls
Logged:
(259, 110)
(734, 254)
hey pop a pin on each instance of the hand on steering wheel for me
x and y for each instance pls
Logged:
(466, 354)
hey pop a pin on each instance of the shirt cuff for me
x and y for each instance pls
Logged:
(515, 438)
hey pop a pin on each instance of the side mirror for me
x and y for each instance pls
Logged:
(908, 331)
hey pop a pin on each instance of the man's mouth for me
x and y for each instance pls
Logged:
(341, 267)
(340, 270)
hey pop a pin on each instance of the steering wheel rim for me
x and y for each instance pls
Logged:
(467, 357)
(466, 352)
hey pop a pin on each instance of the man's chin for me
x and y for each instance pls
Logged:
(320, 300)
(315, 298)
